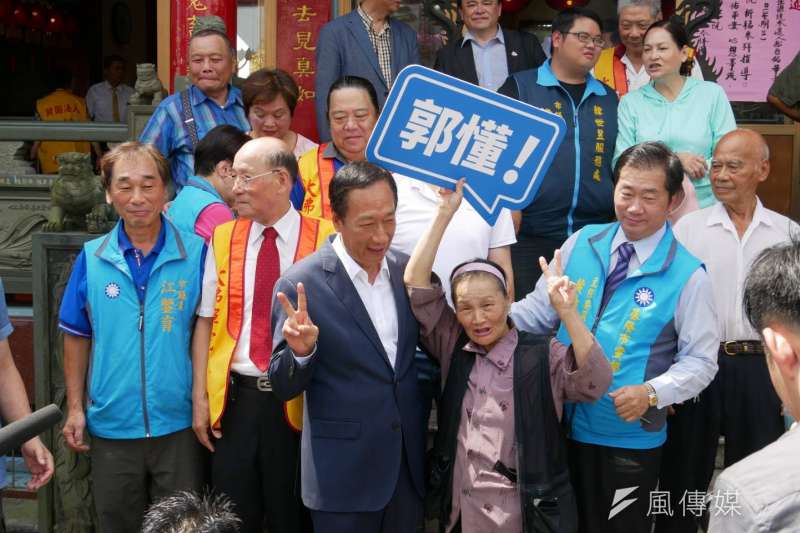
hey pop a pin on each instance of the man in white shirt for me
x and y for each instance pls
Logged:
(727, 237)
(256, 440)
(621, 67)
(362, 442)
(107, 101)
(467, 238)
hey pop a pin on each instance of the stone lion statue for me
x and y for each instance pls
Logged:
(77, 199)
(148, 88)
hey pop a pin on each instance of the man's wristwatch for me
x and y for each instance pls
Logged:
(652, 398)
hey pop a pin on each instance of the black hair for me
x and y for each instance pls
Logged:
(353, 82)
(224, 36)
(455, 280)
(565, 19)
(187, 512)
(113, 58)
(219, 144)
(459, 2)
(677, 31)
(356, 175)
(653, 155)
(59, 78)
(772, 287)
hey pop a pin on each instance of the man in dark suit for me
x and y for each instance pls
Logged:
(486, 54)
(367, 43)
(350, 347)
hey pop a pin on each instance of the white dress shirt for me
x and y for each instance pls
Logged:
(711, 236)
(99, 98)
(695, 362)
(467, 236)
(288, 229)
(640, 78)
(377, 297)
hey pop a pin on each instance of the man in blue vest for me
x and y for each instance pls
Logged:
(128, 309)
(649, 303)
(578, 188)
(203, 203)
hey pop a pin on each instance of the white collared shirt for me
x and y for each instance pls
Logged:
(288, 228)
(467, 236)
(99, 98)
(377, 297)
(711, 236)
(695, 321)
(642, 78)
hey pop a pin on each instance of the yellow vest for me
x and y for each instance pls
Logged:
(60, 106)
(611, 70)
(230, 245)
(316, 173)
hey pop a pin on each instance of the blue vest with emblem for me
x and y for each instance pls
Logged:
(635, 329)
(140, 371)
(195, 196)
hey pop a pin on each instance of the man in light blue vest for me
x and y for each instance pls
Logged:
(649, 303)
(203, 203)
(127, 316)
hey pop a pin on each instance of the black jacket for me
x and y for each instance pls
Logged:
(542, 476)
(523, 51)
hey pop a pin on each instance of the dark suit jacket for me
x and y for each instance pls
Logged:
(344, 49)
(358, 411)
(523, 51)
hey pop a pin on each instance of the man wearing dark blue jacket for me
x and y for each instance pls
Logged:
(578, 188)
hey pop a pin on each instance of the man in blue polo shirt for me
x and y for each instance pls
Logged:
(650, 306)
(127, 316)
(577, 189)
(181, 120)
(14, 406)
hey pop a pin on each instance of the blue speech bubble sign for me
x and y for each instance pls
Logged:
(437, 128)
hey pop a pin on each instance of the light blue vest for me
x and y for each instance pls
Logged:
(636, 330)
(195, 196)
(140, 373)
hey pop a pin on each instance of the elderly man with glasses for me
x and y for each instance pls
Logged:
(577, 189)
(256, 462)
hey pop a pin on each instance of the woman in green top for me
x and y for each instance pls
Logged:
(686, 114)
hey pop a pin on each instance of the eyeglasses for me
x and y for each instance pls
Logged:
(235, 178)
(586, 38)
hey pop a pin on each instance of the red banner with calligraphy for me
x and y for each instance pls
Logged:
(183, 16)
(298, 25)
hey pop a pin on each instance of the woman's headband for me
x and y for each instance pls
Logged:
(480, 266)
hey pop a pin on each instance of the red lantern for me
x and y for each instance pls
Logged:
(558, 5)
(37, 19)
(54, 22)
(512, 6)
(19, 16)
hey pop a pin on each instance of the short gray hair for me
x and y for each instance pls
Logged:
(653, 5)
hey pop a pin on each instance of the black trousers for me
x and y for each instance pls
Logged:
(741, 404)
(601, 474)
(256, 463)
(525, 261)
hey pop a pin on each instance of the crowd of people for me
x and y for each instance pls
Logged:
(279, 331)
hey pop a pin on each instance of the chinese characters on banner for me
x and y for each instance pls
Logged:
(436, 128)
(749, 44)
(183, 14)
(298, 28)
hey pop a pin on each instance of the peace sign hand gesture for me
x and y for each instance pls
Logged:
(299, 331)
(562, 292)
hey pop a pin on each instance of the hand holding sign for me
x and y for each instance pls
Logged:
(434, 127)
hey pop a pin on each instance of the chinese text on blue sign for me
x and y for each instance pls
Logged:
(437, 129)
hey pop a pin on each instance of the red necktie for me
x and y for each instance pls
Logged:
(268, 269)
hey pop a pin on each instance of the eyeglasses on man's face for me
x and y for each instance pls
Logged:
(586, 38)
(234, 178)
